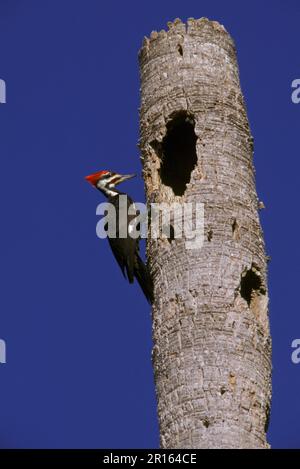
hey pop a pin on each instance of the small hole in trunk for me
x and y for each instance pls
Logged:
(180, 50)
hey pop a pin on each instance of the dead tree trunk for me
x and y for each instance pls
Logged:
(212, 345)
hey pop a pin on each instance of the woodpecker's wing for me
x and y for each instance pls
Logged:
(124, 247)
(124, 252)
(117, 252)
(143, 277)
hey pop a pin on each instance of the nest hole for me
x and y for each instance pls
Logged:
(178, 153)
(251, 284)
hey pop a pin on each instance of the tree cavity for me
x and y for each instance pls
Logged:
(251, 285)
(178, 153)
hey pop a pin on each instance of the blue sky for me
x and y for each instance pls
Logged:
(78, 370)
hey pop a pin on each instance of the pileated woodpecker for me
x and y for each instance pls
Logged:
(125, 250)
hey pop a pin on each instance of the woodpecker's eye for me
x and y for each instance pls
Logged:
(106, 176)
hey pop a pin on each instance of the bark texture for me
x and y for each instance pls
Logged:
(212, 344)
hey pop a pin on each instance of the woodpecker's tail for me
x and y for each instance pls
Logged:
(143, 277)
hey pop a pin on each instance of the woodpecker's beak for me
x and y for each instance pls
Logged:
(124, 177)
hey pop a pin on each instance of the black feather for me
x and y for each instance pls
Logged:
(143, 277)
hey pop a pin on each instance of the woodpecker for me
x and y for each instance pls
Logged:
(125, 250)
